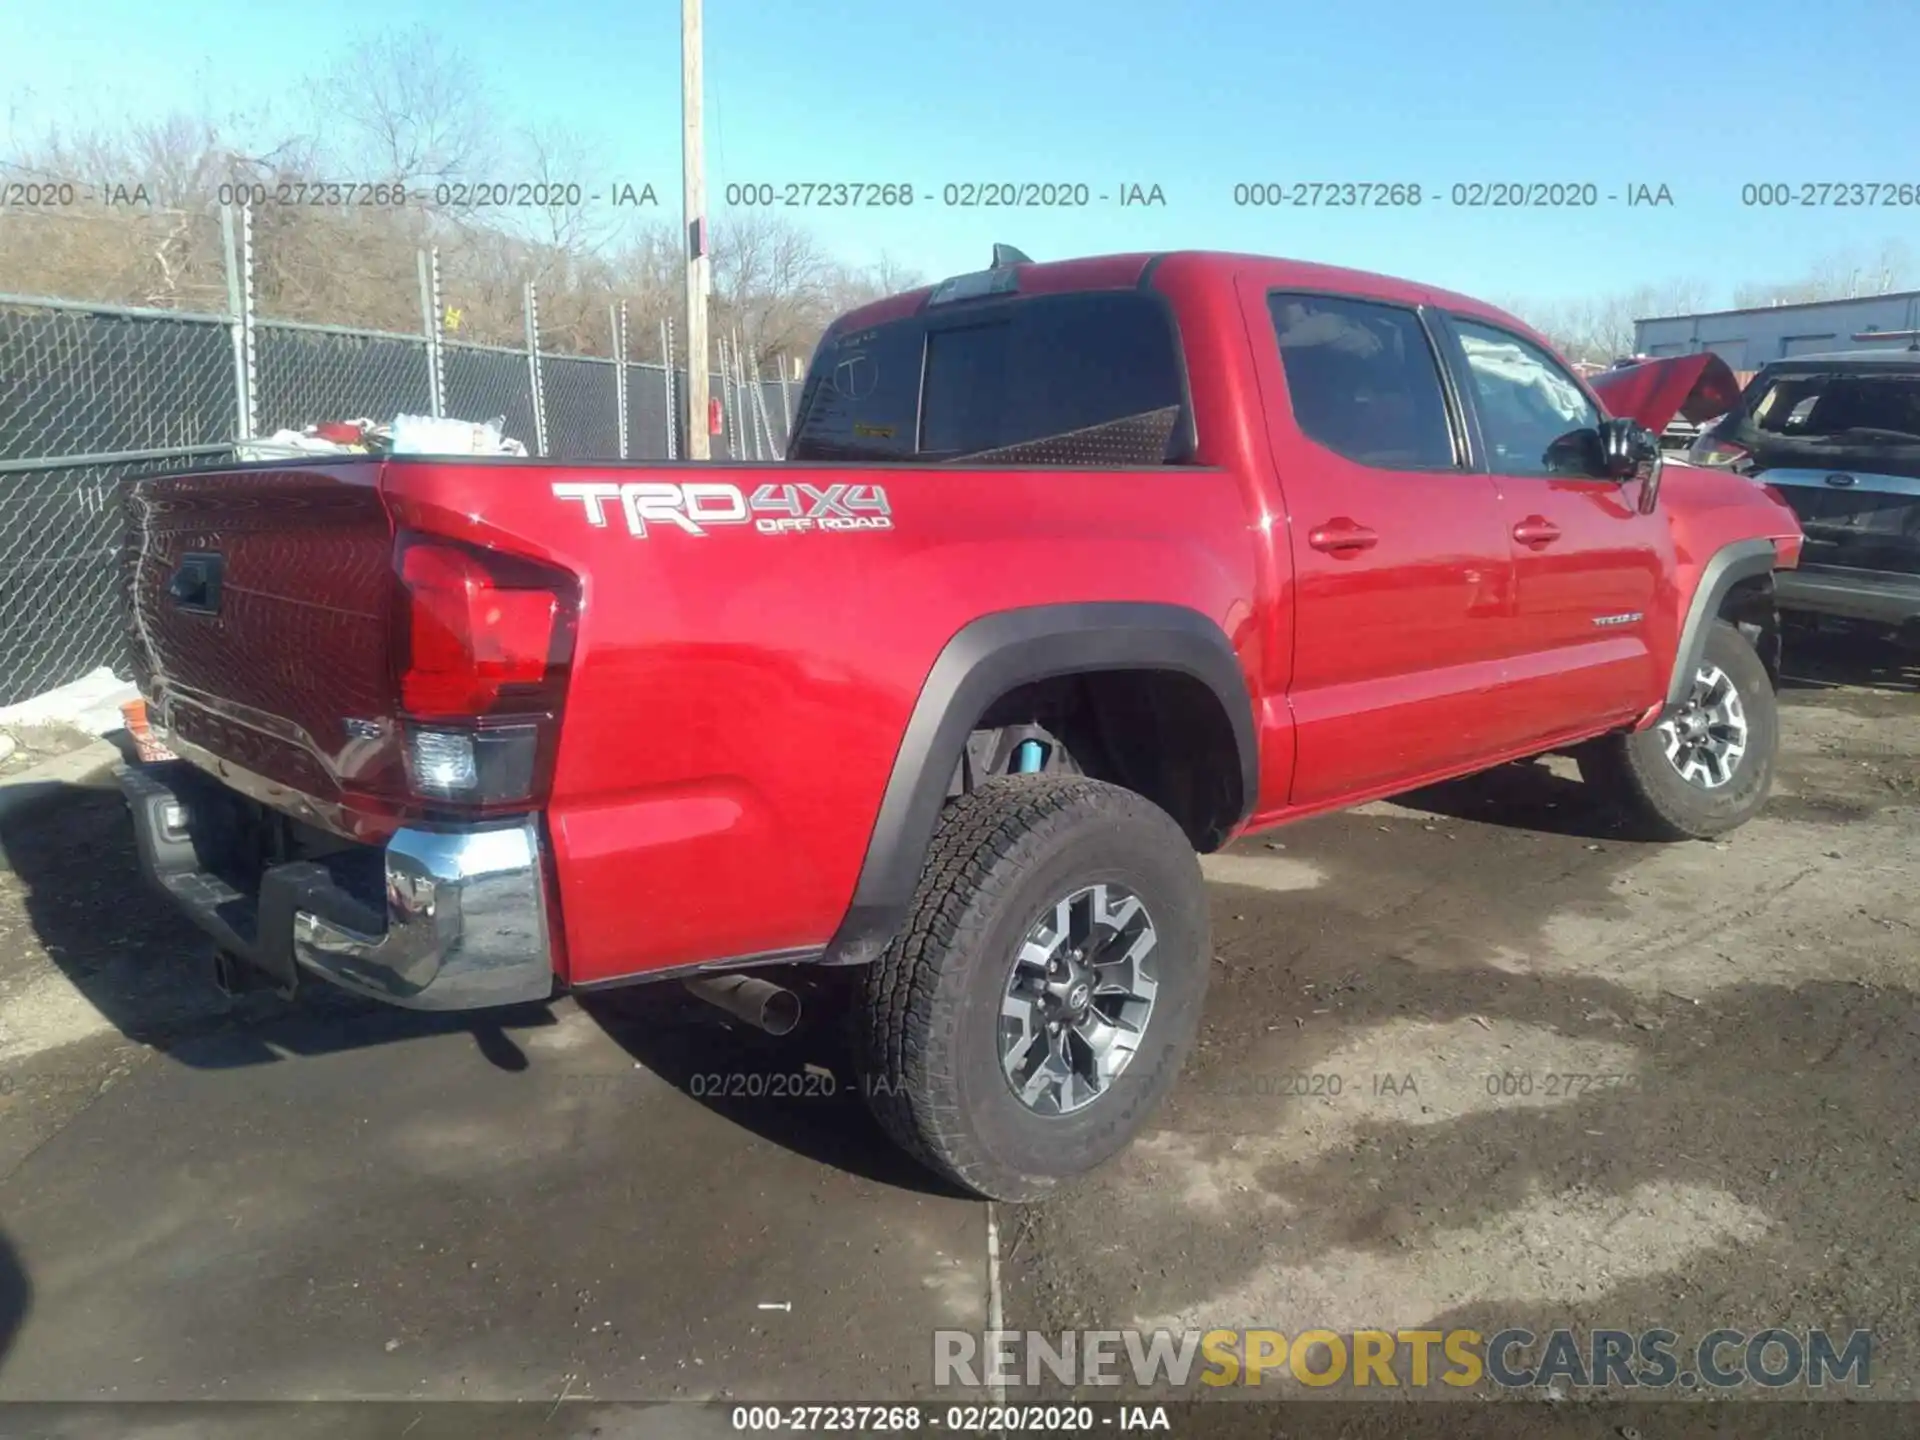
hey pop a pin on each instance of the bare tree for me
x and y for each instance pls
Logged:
(407, 108)
(1837, 277)
(853, 285)
(891, 276)
(647, 269)
(1600, 328)
(781, 289)
(152, 241)
(772, 280)
(560, 162)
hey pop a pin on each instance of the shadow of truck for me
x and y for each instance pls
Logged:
(70, 867)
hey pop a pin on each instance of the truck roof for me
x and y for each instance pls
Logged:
(1125, 271)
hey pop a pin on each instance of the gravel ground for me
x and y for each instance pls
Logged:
(1581, 1080)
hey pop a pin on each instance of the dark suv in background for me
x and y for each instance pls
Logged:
(1838, 436)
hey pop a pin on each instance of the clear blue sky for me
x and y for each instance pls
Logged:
(1191, 97)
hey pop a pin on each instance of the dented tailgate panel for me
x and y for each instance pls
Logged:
(260, 602)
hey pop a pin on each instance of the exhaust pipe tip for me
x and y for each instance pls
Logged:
(779, 1011)
(762, 1004)
(783, 1016)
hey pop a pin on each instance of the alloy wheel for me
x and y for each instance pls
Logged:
(1706, 738)
(1078, 999)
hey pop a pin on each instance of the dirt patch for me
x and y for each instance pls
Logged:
(24, 746)
(1495, 1066)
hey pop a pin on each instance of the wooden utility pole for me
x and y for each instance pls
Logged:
(693, 159)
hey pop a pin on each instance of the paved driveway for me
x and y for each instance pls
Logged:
(364, 1203)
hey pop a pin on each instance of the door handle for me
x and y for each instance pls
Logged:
(1536, 531)
(1342, 537)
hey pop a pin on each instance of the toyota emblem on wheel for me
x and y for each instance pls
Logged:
(1078, 999)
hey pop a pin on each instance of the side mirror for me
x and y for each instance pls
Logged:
(1629, 451)
(1580, 454)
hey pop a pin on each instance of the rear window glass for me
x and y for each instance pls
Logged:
(951, 384)
(1829, 404)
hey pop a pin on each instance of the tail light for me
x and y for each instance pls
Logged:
(482, 650)
(1708, 450)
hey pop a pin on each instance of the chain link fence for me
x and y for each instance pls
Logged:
(93, 395)
(76, 383)
(307, 373)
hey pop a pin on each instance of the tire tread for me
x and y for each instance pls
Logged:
(909, 994)
(1634, 771)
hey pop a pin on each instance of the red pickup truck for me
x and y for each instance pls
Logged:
(1072, 570)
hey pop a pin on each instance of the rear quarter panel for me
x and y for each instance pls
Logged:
(738, 698)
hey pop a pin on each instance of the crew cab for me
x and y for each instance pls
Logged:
(1072, 570)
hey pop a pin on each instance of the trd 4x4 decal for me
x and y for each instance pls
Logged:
(773, 510)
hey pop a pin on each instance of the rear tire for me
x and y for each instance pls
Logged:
(1026, 918)
(1706, 768)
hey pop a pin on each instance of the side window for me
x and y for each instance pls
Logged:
(1363, 381)
(1526, 399)
(1048, 366)
(861, 398)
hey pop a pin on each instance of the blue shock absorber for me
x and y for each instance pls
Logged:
(1029, 757)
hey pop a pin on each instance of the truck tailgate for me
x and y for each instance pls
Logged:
(261, 602)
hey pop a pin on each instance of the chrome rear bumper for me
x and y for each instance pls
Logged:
(455, 919)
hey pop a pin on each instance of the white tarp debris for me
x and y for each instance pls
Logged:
(407, 435)
(336, 437)
(90, 704)
(425, 435)
(290, 445)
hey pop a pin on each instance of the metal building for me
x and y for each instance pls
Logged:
(1748, 339)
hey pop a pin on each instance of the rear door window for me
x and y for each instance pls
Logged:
(861, 400)
(1363, 380)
